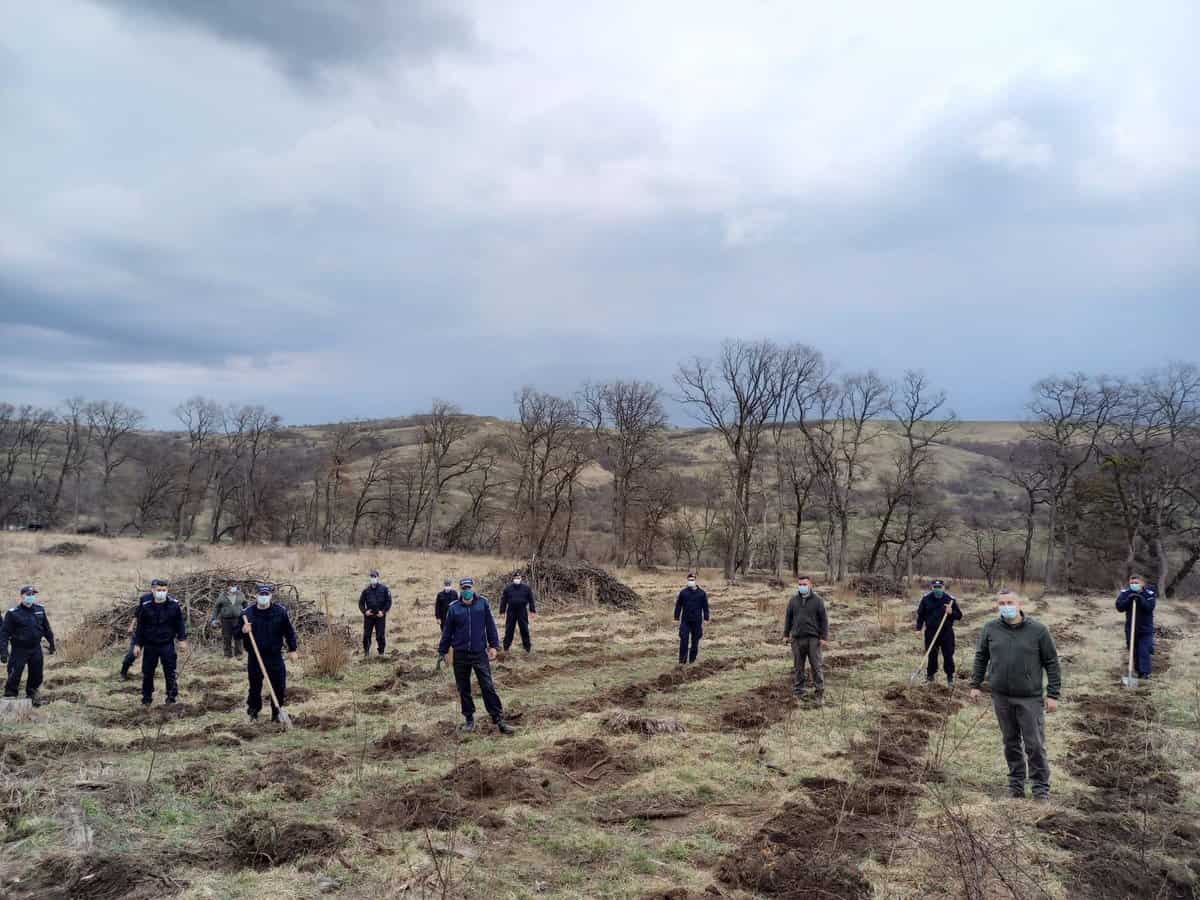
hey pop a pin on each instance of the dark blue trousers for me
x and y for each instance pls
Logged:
(19, 660)
(690, 632)
(277, 672)
(152, 655)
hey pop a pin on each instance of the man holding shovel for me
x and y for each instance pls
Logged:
(1138, 602)
(160, 623)
(471, 630)
(1013, 653)
(271, 627)
(937, 613)
(25, 626)
(806, 624)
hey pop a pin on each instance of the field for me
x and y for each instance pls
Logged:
(627, 778)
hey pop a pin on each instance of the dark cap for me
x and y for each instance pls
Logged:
(27, 590)
(466, 582)
(937, 582)
(159, 582)
(264, 589)
(374, 573)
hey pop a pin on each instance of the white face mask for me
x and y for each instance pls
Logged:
(29, 599)
(1008, 611)
(233, 592)
(691, 584)
(264, 600)
(160, 596)
(516, 581)
(374, 580)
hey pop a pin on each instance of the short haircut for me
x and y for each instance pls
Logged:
(1138, 575)
(803, 578)
(1007, 592)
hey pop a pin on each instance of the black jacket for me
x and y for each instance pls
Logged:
(25, 626)
(159, 623)
(691, 605)
(442, 603)
(931, 609)
(516, 595)
(272, 628)
(376, 598)
(806, 617)
(1013, 658)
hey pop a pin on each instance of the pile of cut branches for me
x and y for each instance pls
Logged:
(555, 582)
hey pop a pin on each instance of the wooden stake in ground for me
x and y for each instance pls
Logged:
(924, 659)
(283, 714)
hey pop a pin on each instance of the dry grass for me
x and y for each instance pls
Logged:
(81, 645)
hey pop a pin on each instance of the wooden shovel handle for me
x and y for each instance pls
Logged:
(1132, 635)
(936, 635)
(261, 666)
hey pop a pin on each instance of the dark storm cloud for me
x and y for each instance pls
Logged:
(305, 36)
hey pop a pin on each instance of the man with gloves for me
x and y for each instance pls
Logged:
(24, 627)
(1144, 598)
(471, 630)
(375, 603)
(517, 605)
(936, 613)
(272, 629)
(691, 612)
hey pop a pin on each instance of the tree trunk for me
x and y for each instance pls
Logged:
(908, 554)
(843, 541)
(1048, 569)
(1025, 557)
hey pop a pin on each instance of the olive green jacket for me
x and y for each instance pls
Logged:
(1017, 656)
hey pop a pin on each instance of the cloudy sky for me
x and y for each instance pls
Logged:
(344, 208)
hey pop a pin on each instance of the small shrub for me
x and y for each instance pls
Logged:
(82, 644)
(330, 655)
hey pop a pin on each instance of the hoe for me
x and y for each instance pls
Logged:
(912, 679)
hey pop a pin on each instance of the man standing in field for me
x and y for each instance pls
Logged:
(375, 603)
(160, 624)
(517, 605)
(1144, 598)
(25, 626)
(441, 603)
(471, 630)
(691, 612)
(228, 614)
(806, 624)
(935, 607)
(131, 653)
(1013, 653)
(272, 628)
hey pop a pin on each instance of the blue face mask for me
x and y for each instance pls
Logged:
(1135, 586)
(1009, 612)
(468, 594)
(804, 590)
(938, 592)
(29, 599)
(264, 600)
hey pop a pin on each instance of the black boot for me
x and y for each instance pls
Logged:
(35, 698)
(503, 727)
(467, 726)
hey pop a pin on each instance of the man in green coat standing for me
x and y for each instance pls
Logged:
(807, 626)
(1013, 653)
(228, 614)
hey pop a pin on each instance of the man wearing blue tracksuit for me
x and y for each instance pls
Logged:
(1145, 598)
(691, 612)
(470, 629)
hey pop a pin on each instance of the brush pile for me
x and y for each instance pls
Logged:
(555, 583)
(198, 593)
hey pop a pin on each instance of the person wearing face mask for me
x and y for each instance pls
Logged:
(806, 624)
(517, 605)
(271, 626)
(933, 608)
(441, 603)
(1016, 653)
(228, 613)
(691, 612)
(160, 624)
(131, 653)
(24, 627)
(1145, 598)
(375, 602)
(471, 630)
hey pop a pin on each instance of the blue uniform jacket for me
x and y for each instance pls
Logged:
(159, 623)
(691, 605)
(516, 595)
(469, 628)
(376, 598)
(1147, 599)
(25, 626)
(272, 627)
(931, 609)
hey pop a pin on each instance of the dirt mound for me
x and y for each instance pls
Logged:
(567, 583)
(841, 661)
(473, 781)
(428, 805)
(174, 551)
(259, 842)
(283, 779)
(876, 586)
(65, 548)
(404, 743)
(199, 592)
(758, 708)
(94, 877)
(577, 754)
(628, 722)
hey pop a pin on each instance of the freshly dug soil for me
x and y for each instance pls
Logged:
(260, 842)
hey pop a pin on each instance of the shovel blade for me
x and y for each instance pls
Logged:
(284, 719)
(1128, 682)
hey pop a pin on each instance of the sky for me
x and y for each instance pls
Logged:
(346, 208)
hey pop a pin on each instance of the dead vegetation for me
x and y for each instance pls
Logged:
(559, 583)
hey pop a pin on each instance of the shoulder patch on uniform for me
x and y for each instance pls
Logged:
(147, 602)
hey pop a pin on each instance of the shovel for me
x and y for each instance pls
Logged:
(16, 710)
(284, 718)
(1128, 680)
(912, 679)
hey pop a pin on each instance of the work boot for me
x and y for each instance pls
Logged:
(929, 679)
(1041, 798)
(124, 673)
(171, 700)
(145, 701)
(950, 680)
(35, 697)
(252, 716)
(467, 726)
(503, 727)
(819, 700)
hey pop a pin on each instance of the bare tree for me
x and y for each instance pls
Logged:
(111, 423)
(347, 438)
(156, 482)
(444, 431)
(77, 439)
(737, 395)
(1028, 471)
(367, 497)
(201, 419)
(989, 546)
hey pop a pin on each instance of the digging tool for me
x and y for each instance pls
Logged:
(284, 718)
(912, 679)
(1128, 680)
(16, 709)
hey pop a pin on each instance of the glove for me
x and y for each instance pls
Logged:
(50, 650)
(441, 659)
(4, 660)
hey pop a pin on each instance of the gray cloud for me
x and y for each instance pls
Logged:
(305, 36)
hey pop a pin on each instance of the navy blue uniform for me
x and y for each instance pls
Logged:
(470, 629)
(516, 603)
(24, 628)
(127, 661)
(377, 599)
(442, 603)
(691, 612)
(930, 612)
(1143, 642)
(159, 626)
(272, 629)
